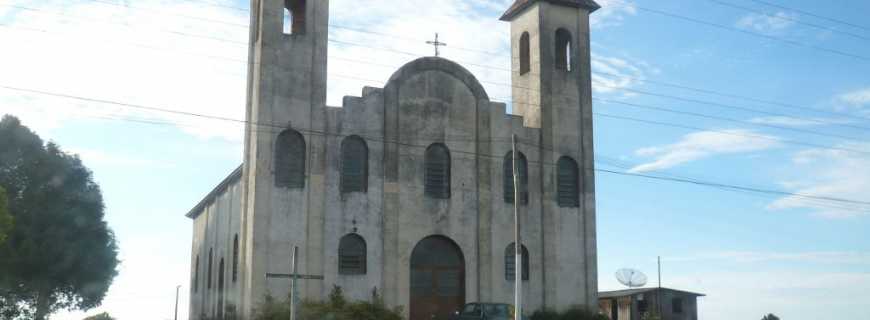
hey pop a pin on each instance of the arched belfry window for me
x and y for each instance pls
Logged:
(290, 160)
(510, 263)
(437, 171)
(354, 165)
(352, 255)
(563, 50)
(220, 310)
(522, 168)
(525, 54)
(568, 178)
(235, 258)
(294, 16)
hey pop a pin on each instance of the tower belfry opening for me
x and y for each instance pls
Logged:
(563, 50)
(294, 16)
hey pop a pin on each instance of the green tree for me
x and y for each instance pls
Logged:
(5, 217)
(770, 317)
(61, 253)
(101, 316)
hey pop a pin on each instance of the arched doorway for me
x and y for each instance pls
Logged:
(437, 279)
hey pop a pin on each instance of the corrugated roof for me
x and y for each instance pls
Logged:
(520, 5)
(233, 177)
(631, 292)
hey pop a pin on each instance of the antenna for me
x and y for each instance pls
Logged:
(631, 278)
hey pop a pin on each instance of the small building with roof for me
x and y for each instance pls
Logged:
(645, 303)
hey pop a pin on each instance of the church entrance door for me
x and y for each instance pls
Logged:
(437, 279)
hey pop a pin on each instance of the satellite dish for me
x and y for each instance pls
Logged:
(631, 278)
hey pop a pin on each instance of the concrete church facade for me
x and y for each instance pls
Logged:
(406, 190)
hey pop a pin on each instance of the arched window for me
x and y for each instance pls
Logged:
(568, 183)
(220, 309)
(563, 50)
(437, 171)
(196, 275)
(510, 263)
(354, 165)
(290, 160)
(235, 258)
(294, 16)
(352, 255)
(210, 261)
(523, 169)
(525, 54)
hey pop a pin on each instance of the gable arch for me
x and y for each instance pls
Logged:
(438, 64)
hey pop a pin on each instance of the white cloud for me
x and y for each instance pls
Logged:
(612, 13)
(857, 100)
(611, 74)
(797, 122)
(190, 57)
(830, 173)
(107, 158)
(704, 144)
(767, 23)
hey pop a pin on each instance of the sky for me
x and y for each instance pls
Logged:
(765, 95)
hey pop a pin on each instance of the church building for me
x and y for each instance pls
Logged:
(406, 191)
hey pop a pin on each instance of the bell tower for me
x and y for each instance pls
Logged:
(552, 91)
(287, 65)
(550, 56)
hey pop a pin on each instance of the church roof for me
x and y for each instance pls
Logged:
(631, 292)
(235, 176)
(520, 5)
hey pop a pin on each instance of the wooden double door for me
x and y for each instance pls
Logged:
(437, 279)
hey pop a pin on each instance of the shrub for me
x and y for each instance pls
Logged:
(574, 313)
(335, 308)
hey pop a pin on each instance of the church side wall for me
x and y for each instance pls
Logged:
(502, 222)
(214, 229)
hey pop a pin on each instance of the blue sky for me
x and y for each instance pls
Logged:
(750, 253)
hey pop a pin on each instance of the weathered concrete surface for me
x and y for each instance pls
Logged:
(429, 100)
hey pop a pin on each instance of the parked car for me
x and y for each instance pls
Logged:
(485, 311)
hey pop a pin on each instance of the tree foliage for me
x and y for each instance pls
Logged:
(5, 217)
(61, 254)
(770, 317)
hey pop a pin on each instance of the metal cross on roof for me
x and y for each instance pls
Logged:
(437, 44)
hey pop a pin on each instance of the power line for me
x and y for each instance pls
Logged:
(788, 18)
(690, 181)
(647, 176)
(755, 136)
(623, 165)
(509, 70)
(630, 90)
(752, 33)
(735, 96)
(707, 116)
(736, 187)
(771, 4)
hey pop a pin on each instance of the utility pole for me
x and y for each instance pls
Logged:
(176, 301)
(518, 245)
(659, 294)
(293, 294)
